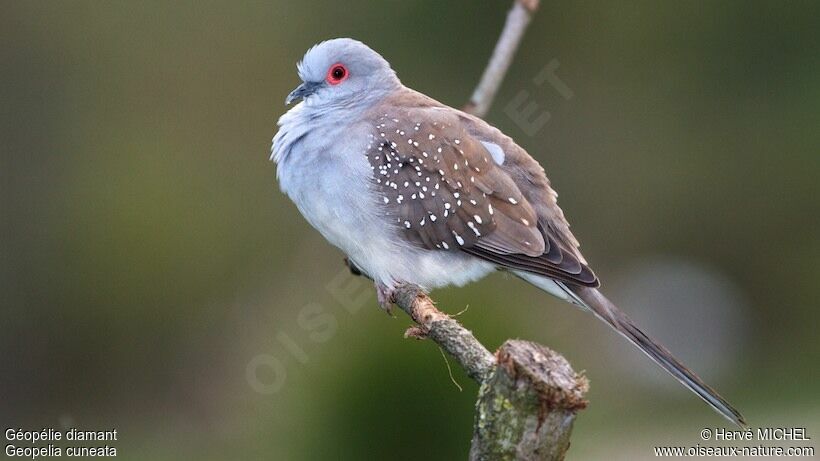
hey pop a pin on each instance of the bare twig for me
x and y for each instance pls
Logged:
(517, 21)
(528, 394)
(456, 340)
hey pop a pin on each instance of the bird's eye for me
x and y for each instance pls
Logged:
(336, 74)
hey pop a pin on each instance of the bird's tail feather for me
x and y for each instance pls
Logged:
(605, 310)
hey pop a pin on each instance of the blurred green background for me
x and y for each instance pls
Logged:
(154, 279)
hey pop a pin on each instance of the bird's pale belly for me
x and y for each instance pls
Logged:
(375, 247)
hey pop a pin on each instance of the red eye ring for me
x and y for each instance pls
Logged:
(337, 73)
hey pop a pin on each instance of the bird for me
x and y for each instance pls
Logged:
(416, 192)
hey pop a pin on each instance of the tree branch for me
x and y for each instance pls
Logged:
(456, 340)
(527, 406)
(517, 21)
(528, 394)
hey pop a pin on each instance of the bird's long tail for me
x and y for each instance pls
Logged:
(604, 309)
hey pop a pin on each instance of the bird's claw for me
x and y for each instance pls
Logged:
(386, 299)
(354, 269)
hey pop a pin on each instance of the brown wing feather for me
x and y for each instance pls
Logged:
(443, 188)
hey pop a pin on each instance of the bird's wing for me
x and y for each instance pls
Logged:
(440, 184)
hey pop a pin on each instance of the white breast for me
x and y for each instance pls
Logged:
(326, 174)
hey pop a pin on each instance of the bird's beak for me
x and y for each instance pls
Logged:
(302, 91)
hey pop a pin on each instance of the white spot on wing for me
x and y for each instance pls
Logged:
(495, 151)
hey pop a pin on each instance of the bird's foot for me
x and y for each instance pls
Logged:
(354, 269)
(384, 295)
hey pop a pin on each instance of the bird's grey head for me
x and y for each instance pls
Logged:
(342, 72)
